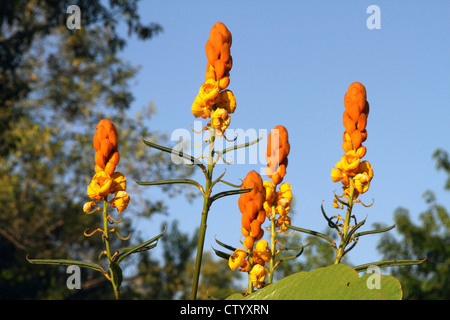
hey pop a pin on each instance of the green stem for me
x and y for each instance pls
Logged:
(340, 252)
(206, 205)
(250, 260)
(272, 244)
(108, 248)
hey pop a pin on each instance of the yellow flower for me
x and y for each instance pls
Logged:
(362, 179)
(282, 221)
(336, 174)
(283, 207)
(237, 259)
(119, 182)
(284, 198)
(350, 161)
(100, 186)
(120, 201)
(258, 275)
(209, 92)
(366, 167)
(270, 191)
(200, 109)
(361, 182)
(227, 101)
(88, 206)
(220, 120)
(285, 192)
(262, 250)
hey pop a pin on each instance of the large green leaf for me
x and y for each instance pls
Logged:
(335, 282)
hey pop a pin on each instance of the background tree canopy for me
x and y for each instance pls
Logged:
(56, 84)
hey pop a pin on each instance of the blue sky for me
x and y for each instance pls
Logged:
(292, 64)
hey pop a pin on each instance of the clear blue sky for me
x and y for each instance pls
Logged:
(292, 64)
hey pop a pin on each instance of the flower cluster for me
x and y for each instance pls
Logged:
(355, 119)
(278, 148)
(281, 200)
(351, 167)
(213, 100)
(256, 268)
(106, 180)
(253, 216)
(251, 207)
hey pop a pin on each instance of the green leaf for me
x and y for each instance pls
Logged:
(142, 247)
(225, 245)
(170, 181)
(312, 232)
(235, 296)
(177, 153)
(116, 273)
(388, 263)
(228, 193)
(335, 282)
(357, 235)
(243, 145)
(67, 262)
(222, 254)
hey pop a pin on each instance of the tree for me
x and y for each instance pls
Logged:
(430, 239)
(171, 277)
(56, 85)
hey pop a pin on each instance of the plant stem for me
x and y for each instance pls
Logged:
(272, 244)
(108, 249)
(340, 252)
(250, 260)
(206, 204)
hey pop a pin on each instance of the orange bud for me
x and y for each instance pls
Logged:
(248, 243)
(261, 216)
(211, 53)
(356, 137)
(362, 121)
(259, 235)
(100, 159)
(349, 124)
(361, 151)
(276, 178)
(219, 66)
(115, 157)
(363, 135)
(217, 39)
(347, 145)
(255, 226)
(106, 146)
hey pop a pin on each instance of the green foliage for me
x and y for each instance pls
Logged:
(335, 282)
(430, 239)
(56, 85)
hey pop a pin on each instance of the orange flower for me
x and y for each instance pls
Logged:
(355, 117)
(227, 101)
(220, 120)
(211, 102)
(119, 182)
(238, 259)
(251, 206)
(120, 201)
(278, 148)
(106, 180)
(217, 51)
(258, 275)
(105, 145)
(262, 250)
(100, 186)
(351, 168)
